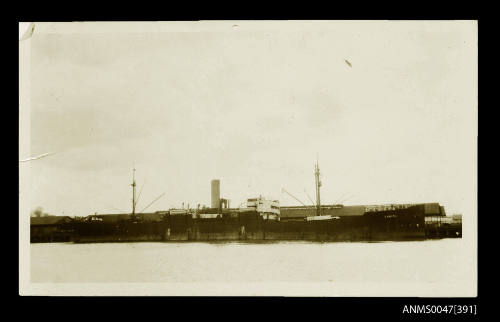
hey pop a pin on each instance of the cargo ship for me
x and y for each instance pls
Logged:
(260, 219)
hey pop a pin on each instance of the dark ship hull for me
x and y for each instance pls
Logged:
(397, 225)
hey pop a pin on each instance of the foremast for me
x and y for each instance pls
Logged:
(133, 193)
(318, 185)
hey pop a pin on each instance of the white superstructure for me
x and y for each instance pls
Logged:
(268, 209)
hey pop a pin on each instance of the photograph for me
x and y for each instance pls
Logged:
(295, 158)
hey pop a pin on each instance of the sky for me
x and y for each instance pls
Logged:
(254, 105)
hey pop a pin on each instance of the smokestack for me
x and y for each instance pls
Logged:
(215, 194)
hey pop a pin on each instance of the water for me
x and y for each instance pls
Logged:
(439, 263)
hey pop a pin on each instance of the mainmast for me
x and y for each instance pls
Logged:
(318, 185)
(133, 193)
(134, 200)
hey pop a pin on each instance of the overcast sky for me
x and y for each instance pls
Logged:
(252, 104)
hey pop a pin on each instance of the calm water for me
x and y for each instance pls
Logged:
(439, 261)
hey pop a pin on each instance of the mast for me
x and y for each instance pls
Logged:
(133, 193)
(318, 185)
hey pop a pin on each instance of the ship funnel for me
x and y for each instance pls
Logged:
(215, 194)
